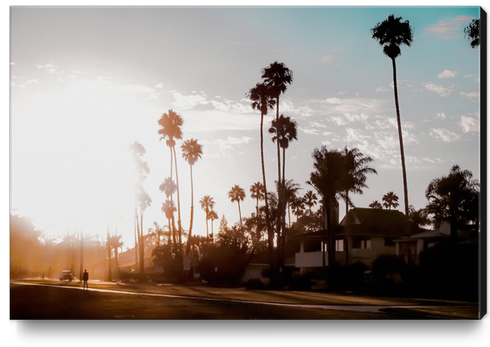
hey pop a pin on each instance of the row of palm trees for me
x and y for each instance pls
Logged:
(390, 200)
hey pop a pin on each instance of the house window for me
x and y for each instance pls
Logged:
(389, 242)
(339, 245)
(361, 242)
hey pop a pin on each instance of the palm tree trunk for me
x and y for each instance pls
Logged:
(239, 212)
(402, 151)
(192, 206)
(270, 232)
(179, 223)
(135, 238)
(279, 183)
(142, 246)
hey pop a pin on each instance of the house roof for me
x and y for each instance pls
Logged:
(371, 221)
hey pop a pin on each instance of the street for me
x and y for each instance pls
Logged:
(37, 299)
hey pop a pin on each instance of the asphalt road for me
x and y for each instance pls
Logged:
(46, 300)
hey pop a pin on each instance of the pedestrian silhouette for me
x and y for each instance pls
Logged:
(85, 279)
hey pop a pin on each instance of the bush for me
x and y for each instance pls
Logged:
(254, 283)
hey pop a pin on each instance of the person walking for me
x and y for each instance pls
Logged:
(85, 279)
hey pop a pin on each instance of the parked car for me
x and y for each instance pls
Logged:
(66, 275)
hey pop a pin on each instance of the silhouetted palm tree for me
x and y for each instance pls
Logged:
(472, 32)
(191, 152)
(390, 34)
(171, 124)
(328, 179)
(168, 208)
(376, 204)
(310, 200)
(290, 191)
(144, 202)
(114, 242)
(212, 216)
(263, 100)
(390, 200)
(357, 168)
(237, 194)
(168, 187)
(258, 193)
(207, 204)
(298, 206)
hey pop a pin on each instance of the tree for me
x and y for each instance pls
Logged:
(212, 215)
(263, 100)
(454, 198)
(357, 169)
(391, 33)
(376, 204)
(207, 204)
(237, 194)
(328, 180)
(417, 218)
(472, 32)
(114, 242)
(258, 193)
(171, 124)
(290, 191)
(168, 187)
(142, 200)
(310, 200)
(390, 200)
(191, 152)
(298, 206)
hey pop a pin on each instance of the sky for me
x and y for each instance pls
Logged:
(88, 82)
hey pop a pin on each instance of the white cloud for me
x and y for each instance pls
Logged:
(441, 90)
(441, 115)
(333, 100)
(32, 81)
(470, 124)
(446, 28)
(472, 96)
(330, 58)
(309, 131)
(382, 90)
(444, 134)
(185, 102)
(159, 85)
(401, 84)
(448, 74)
(317, 125)
(51, 68)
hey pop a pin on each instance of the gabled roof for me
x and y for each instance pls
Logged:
(371, 221)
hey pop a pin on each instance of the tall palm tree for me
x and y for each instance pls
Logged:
(357, 166)
(144, 202)
(276, 77)
(191, 152)
(298, 206)
(207, 204)
(237, 194)
(284, 131)
(263, 100)
(258, 193)
(114, 242)
(472, 32)
(390, 200)
(391, 33)
(171, 129)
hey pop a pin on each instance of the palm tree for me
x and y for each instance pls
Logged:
(328, 179)
(390, 200)
(171, 124)
(168, 187)
(357, 168)
(263, 100)
(472, 32)
(310, 200)
(290, 191)
(114, 242)
(257, 192)
(376, 204)
(207, 204)
(277, 77)
(237, 194)
(298, 206)
(191, 152)
(142, 200)
(212, 215)
(390, 34)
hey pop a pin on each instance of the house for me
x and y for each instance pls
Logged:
(361, 236)
(411, 246)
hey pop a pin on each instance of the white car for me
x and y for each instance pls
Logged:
(66, 275)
